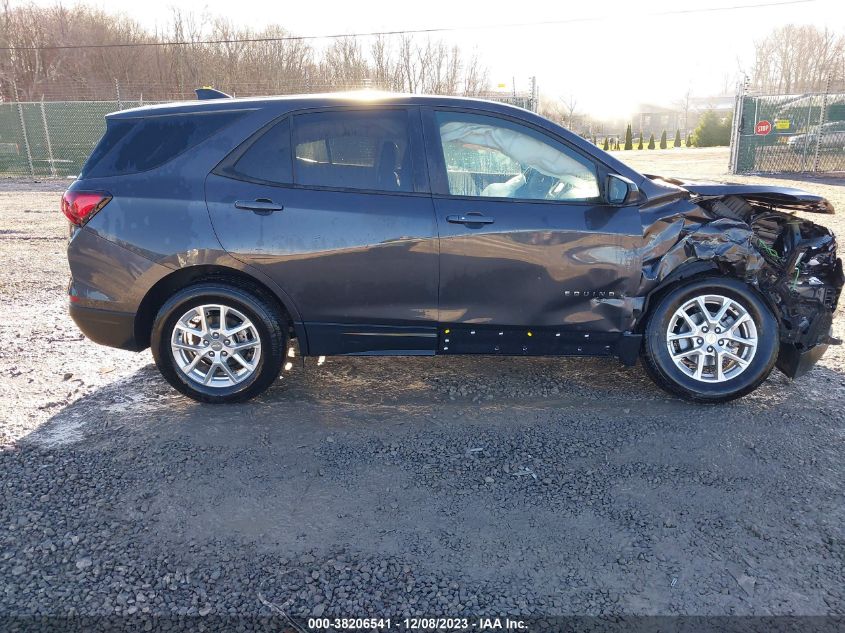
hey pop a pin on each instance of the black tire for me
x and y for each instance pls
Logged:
(259, 309)
(662, 369)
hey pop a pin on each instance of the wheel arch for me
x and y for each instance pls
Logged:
(684, 274)
(681, 274)
(181, 278)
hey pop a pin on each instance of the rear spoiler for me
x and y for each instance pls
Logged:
(207, 92)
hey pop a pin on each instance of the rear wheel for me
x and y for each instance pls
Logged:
(711, 340)
(217, 343)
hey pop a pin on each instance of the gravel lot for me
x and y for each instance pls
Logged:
(391, 487)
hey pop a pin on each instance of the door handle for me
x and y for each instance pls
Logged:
(473, 217)
(261, 205)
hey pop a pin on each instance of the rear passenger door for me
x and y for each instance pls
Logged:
(334, 206)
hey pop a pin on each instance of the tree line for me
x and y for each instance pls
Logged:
(399, 63)
(795, 59)
(711, 131)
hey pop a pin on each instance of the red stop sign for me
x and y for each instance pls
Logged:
(762, 128)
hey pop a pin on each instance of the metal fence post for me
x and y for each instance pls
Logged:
(807, 133)
(23, 128)
(736, 127)
(26, 140)
(47, 138)
(822, 116)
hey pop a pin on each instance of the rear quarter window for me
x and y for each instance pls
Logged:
(135, 145)
(267, 159)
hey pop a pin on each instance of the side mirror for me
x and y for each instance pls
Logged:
(621, 190)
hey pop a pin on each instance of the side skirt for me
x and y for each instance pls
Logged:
(545, 341)
(328, 339)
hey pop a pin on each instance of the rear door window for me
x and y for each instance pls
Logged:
(345, 149)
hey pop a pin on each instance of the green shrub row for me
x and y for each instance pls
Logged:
(711, 131)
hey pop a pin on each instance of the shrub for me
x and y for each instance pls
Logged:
(629, 139)
(677, 142)
(712, 131)
(689, 140)
(604, 147)
(651, 141)
(640, 145)
(663, 140)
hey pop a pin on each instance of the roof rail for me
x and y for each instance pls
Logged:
(207, 92)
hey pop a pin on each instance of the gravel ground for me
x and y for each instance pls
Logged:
(391, 487)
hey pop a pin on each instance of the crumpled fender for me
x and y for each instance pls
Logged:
(694, 234)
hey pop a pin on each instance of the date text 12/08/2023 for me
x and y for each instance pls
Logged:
(417, 624)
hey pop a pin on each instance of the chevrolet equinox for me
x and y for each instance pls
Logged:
(217, 231)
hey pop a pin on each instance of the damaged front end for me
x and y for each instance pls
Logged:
(752, 234)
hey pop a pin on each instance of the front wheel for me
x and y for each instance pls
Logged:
(711, 340)
(217, 343)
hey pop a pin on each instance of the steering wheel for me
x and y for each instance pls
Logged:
(537, 185)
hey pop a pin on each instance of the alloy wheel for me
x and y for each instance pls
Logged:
(216, 346)
(712, 338)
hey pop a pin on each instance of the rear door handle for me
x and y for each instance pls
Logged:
(473, 217)
(261, 205)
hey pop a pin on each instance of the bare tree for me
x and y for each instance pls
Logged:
(166, 71)
(683, 105)
(798, 58)
(570, 104)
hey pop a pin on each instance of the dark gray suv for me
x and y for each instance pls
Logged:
(219, 230)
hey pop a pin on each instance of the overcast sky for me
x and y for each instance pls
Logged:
(611, 55)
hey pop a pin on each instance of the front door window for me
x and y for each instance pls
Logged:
(490, 157)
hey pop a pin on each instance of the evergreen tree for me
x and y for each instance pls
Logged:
(689, 140)
(604, 147)
(663, 140)
(651, 141)
(677, 138)
(712, 131)
(629, 142)
(640, 145)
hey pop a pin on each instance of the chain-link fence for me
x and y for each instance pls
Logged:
(51, 138)
(789, 133)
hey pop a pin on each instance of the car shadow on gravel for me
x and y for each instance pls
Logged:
(361, 389)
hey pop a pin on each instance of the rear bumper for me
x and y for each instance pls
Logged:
(106, 327)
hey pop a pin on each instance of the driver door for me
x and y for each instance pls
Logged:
(526, 239)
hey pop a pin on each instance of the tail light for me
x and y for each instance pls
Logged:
(80, 206)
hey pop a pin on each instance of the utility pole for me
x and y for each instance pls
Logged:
(535, 101)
